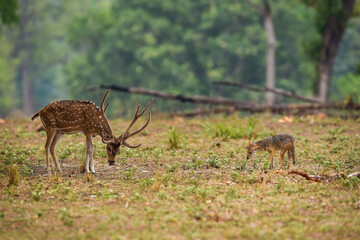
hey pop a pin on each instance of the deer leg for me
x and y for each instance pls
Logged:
(92, 156)
(89, 146)
(52, 150)
(50, 136)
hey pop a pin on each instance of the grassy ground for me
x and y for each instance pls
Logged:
(189, 180)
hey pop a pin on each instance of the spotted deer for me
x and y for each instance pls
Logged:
(75, 116)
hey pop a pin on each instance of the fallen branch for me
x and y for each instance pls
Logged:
(278, 91)
(317, 178)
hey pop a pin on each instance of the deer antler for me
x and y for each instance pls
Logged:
(103, 110)
(102, 103)
(126, 134)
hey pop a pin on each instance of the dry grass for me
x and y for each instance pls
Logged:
(13, 175)
(204, 189)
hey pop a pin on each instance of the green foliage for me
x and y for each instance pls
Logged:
(232, 129)
(177, 47)
(8, 98)
(8, 13)
(192, 43)
(349, 84)
(10, 155)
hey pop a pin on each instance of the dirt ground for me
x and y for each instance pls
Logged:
(189, 179)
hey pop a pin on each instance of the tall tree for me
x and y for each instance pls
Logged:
(331, 20)
(271, 52)
(26, 14)
(271, 48)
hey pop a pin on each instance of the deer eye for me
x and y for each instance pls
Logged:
(109, 149)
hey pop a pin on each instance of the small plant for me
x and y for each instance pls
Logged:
(13, 175)
(88, 177)
(82, 165)
(36, 191)
(56, 177)
(240, 165)
(66, 218)
(145, 183)
(174, 138)
(230, 194)
(351, 183)
(173, 168)
(130, 172)
(213, 161)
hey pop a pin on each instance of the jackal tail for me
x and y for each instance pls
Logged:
(293, 152)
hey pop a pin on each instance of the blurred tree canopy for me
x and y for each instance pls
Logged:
(175, 46)
(8, 11)
(182, 46)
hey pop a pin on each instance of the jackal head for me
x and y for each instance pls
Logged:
(252, 148)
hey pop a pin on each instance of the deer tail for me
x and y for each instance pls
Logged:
(36, 115)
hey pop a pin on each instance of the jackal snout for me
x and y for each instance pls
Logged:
(251, 149)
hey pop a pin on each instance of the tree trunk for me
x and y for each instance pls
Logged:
(270, 58)
(331, 38)
(28, 100)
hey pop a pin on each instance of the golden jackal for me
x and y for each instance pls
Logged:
(283, 142)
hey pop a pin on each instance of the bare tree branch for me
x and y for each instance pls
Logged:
(291, 94)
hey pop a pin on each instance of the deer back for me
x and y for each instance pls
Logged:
(71, 116)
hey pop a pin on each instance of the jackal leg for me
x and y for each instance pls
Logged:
(282, 154)
(52, 150)
(285, 148)
(271, 158)
(50, 136)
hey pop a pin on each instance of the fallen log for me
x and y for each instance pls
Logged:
(237, 105)
(278, 91)
(203, 112)
(182, 98)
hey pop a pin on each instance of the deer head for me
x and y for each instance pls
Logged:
(114, 145)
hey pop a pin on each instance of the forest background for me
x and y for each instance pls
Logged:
(52, 50)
